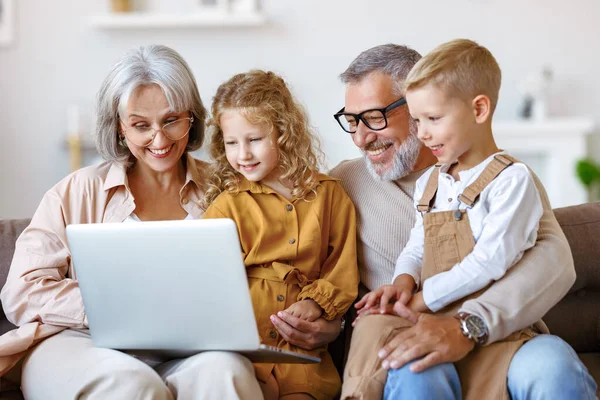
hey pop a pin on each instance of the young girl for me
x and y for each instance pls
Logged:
(297, 227)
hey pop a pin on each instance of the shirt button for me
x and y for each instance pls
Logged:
(292, 241)
(185, 201)
(280, 297)
(450, 200)
(273, 335)
(289, 207)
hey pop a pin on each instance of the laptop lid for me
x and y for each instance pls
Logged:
(168, 285)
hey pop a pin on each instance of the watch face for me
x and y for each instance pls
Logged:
(475, 326)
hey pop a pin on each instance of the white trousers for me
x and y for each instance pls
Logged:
(68, 366)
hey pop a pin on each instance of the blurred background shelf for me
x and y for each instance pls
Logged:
(82, 151)
(551, 148)
(208, 19)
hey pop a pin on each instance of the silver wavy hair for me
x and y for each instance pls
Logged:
(147, 65)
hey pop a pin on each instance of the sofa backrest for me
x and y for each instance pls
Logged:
(10, 229)
(576, 318)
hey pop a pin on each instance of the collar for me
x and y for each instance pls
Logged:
(468, 173)
(244, 185)
(117, 175)
(193, 173)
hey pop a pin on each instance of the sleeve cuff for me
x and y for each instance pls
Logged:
(329, 311)
(429, 297)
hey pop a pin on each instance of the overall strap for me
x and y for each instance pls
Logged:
(471, 193)
(426, 201)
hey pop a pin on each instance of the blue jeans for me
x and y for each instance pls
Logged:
(546, 367)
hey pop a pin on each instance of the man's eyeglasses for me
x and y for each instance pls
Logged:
(374, 119)
(143, 135)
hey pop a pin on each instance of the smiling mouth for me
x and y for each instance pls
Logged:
(163, 151)
(376, 150)
(249, 166)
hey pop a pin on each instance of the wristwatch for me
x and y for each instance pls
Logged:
(473, 327)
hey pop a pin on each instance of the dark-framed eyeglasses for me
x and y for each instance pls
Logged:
(375, 119)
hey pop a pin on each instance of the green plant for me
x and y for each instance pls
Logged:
(589, 174)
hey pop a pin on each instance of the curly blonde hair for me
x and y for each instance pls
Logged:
(264, 98)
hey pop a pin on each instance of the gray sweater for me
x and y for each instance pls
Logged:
(385, 216)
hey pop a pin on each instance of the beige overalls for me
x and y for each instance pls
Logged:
(448, 239)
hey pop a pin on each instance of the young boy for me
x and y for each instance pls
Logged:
(478, 210)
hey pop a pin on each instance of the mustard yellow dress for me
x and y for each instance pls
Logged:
(295, 250)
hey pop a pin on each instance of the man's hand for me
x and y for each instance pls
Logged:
(437, 339)
(307, 309)
(304, 334)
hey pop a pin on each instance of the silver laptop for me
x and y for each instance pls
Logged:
(170, 289)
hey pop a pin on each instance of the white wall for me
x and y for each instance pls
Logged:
(58, 59)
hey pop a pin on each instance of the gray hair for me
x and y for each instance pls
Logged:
(391, 59)
(148, 65)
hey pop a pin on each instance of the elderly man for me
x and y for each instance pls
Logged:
(381, 184)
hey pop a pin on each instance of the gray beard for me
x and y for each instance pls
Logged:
(403, 163)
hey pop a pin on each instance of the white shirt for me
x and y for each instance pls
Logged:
(504, 222)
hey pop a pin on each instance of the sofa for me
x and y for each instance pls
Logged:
(576, 318)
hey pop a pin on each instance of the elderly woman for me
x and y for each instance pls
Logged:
(150, 117)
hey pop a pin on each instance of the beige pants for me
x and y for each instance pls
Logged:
(68, 366)
(364, 378)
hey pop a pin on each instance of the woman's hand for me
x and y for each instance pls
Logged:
(305, 334)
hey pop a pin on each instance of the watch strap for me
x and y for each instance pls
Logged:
(462, 318)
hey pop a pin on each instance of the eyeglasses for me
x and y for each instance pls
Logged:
(374, 119)
(143, 135)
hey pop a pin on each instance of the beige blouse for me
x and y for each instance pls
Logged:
(41, 294)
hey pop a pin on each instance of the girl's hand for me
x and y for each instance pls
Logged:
(304, 334)
(306, 309)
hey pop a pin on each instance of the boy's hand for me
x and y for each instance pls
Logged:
(400, 291)
(306, 309)
(417, 303)
(381, 298)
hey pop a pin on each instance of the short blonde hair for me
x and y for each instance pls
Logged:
(460, 67)
(264, 98)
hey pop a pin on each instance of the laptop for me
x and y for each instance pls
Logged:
(168, 289)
